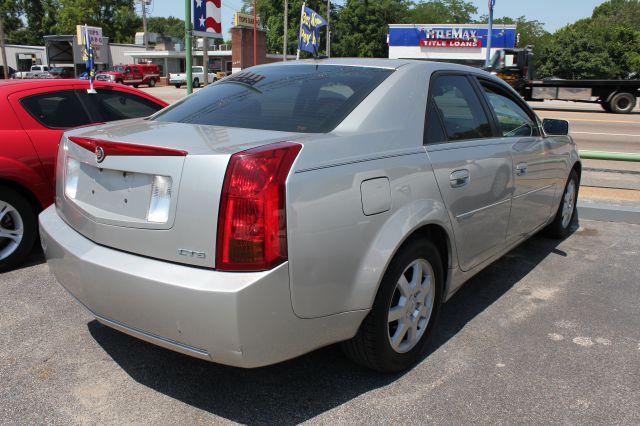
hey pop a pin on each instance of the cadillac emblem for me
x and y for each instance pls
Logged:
(100, 154)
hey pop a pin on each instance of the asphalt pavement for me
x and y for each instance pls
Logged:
(549, 334)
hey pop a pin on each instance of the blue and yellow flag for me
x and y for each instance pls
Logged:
(310, 25)
(88, 57)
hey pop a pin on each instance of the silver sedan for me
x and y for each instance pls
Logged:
(295, 205)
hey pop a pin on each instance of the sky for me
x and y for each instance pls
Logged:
(553, 13)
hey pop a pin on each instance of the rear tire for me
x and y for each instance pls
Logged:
(152, 82)
(395, 333)
(196, 82)
(119, 81)
(561, 225)
(622, 103)
(177, 85)
(18, 228)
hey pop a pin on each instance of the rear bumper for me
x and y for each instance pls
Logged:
(239, 319)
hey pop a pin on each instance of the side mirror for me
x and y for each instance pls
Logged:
(555, 127)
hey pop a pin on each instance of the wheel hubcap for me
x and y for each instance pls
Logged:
(568, 205)
(411, 306)
(11, 229)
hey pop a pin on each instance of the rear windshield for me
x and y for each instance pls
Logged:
(290, 98)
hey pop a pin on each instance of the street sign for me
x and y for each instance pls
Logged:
(95, 35)
(244, 20)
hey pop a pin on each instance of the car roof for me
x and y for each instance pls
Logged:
(427, 65)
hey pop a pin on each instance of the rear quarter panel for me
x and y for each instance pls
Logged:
(337, 254)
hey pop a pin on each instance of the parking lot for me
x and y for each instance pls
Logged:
(548, 334)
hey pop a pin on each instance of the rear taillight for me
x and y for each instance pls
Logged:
(252, 223)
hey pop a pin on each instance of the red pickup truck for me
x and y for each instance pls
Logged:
(132, 74)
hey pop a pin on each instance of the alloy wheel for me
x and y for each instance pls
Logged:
(411, 306)
(11, 229)
(569, 203)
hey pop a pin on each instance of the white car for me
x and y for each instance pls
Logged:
(197, 73)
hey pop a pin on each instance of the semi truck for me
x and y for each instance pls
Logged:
(516, 67)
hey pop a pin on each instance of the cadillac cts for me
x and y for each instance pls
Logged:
(295, 205)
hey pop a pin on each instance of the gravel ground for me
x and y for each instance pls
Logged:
(550, 334)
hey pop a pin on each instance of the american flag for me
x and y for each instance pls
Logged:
(207, 17)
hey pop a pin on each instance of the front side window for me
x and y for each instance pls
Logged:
(56, 110)
(462, 113)
(110, 105)
(290, 98)
(513, 119)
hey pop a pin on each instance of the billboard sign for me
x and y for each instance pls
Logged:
(207, 18)
(451, 36)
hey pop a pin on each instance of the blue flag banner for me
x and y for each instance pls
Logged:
(310, 25)
(88, 57)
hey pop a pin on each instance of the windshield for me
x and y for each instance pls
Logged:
(117, 69)
(289, 98)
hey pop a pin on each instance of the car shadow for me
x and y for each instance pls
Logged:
(302, 388)
(36, 257)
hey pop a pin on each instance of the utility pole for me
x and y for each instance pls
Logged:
(187, 45)
(205, 60)
(328, 29)
(5, 66)
(145, 38)
(255, 34)
(286, 25)
(492, 3)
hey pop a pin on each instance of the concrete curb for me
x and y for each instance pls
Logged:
(608, 213)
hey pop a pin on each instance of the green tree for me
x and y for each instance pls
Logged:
(166, 27)
(440, 12)
(271, 14)
(607, 45)
(116, 17)
(362, 27)
(10, 12)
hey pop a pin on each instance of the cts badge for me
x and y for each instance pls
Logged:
(99, 154)
(192, 253)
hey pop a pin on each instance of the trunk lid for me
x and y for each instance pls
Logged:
(156, 191)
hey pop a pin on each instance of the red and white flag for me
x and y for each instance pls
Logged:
(207, 18)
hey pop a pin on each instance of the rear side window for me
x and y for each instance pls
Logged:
(291, 98)
(56, 110)
(512, 118)
(462, 113)
(433, 132)
(110, 105)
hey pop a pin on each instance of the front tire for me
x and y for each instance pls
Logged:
(394, 335)
(196, 83)
(152, 82)
(561, 225)
(18, 228)
(177, 85)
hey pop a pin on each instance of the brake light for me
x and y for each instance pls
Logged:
(252, 223)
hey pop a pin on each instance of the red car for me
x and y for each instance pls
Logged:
(33, 116)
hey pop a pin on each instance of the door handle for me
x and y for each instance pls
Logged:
(521, 169)
(459, 178)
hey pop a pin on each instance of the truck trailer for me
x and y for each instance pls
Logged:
(516, 67)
